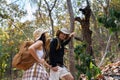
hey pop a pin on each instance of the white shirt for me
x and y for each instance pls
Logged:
(39, 53)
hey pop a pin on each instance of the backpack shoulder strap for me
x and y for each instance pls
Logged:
(58, 44)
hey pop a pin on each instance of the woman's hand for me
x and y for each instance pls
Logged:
(47, 65)
(41, 61)
(72, 34)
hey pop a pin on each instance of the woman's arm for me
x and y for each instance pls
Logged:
(32, 50)
(69, 38)
(53, 46)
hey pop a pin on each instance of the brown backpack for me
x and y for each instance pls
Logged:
(23, 59)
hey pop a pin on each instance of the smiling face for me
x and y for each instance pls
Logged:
(62, 36)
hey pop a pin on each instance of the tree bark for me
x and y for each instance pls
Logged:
(85, 24)
(71, 54)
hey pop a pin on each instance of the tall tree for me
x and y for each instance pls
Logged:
(85, 24)
(71, 56)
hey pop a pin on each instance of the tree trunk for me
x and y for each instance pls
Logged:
(71, 54)
(86, 32)
(51, 20)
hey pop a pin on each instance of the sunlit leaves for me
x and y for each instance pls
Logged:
(3, 59)
(5, 35)
(115, 4)
(10, 39)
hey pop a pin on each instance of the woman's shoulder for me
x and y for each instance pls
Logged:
(54, 39)
(38, 42)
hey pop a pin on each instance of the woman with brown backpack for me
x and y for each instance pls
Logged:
(37, 71)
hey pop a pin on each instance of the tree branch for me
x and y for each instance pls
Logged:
(77, 19)
(106, 50)
(78, 38)
(53, 5)
(48, 7)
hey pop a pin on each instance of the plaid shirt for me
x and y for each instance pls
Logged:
(36, 72)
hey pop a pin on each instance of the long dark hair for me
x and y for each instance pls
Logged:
(43, 38)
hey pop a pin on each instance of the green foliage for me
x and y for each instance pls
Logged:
(4, 58)
(111, 22)
(84, 63)
(10, 39)
(3, 63)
